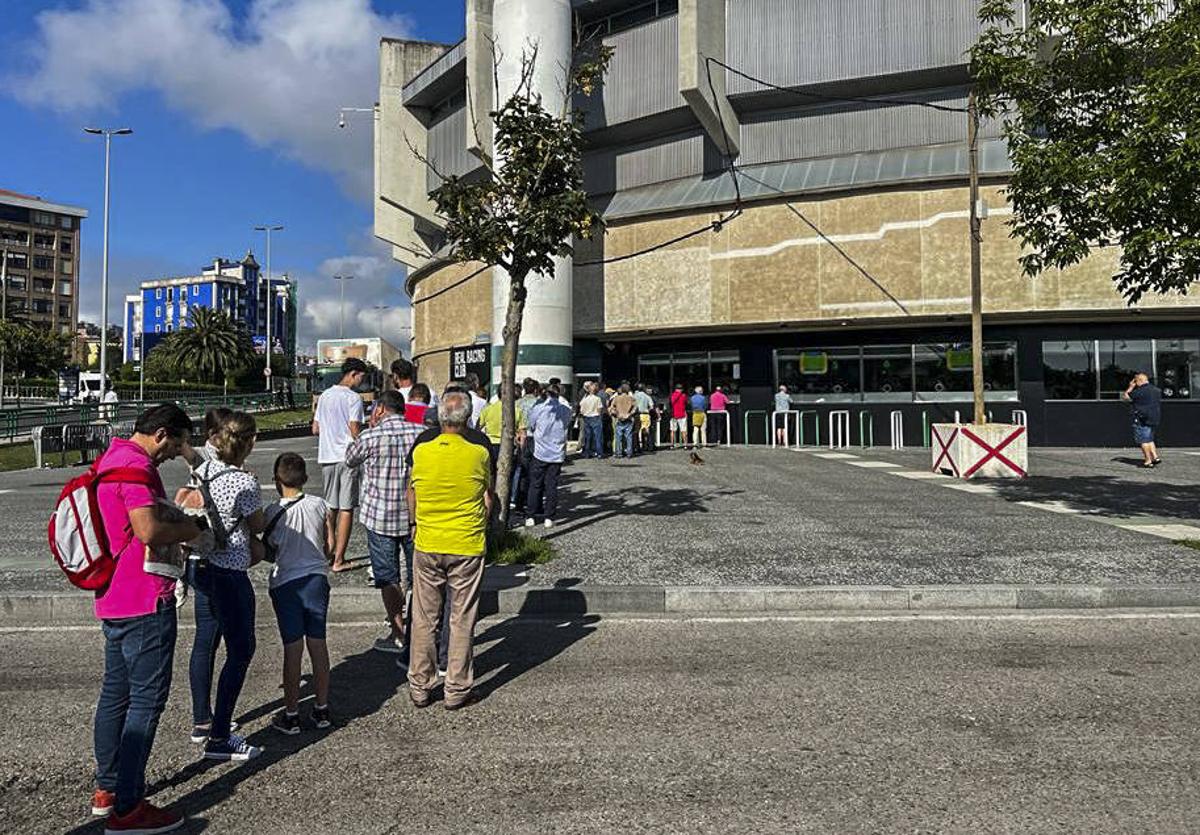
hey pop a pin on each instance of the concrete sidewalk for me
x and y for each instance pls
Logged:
(761, 530)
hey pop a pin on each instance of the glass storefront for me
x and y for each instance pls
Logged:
(895, 373)
(695, 368)
(1100, 369)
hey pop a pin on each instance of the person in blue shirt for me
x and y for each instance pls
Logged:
(1146, 399)
(699, 405)
(547, 427)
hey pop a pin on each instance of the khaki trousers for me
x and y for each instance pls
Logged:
(432, 573)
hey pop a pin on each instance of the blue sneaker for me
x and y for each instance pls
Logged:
(234, 749)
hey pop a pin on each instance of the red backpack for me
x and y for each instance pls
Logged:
(78, 540)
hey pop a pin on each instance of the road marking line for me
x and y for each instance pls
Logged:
(2, 492)
(1052, 506)
(835, 456)
(1173, 532)
(967, 487)
(874, 465)
(917, 475)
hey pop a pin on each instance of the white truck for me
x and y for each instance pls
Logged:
(375, 351)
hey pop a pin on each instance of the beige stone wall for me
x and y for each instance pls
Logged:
(770, 266)
(453, 318)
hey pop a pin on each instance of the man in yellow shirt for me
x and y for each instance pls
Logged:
(490, 420)
(449, 500)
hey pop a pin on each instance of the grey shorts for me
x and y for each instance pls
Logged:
(341, 486)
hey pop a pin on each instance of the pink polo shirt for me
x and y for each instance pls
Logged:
(718, 402)
(132, 592)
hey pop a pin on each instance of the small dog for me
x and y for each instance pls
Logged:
(696, 459)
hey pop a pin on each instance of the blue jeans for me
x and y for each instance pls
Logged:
(593, 437)
(384, 552)
(204, 647)
(233, 603)
(138, 654)
(624, 438)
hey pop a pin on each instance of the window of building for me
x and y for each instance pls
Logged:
(888, 372)
(628, 18)
(43, 262)
(16, 282)
(19, 260)
(43, 285)
(65, 246)
(1177, 367)
(1119, 360)
(944, 371)
(690, 369)
(43, 241)
(66, 222)
(64, 288)
(829, 375)
(158, 328)
(1069, 369)
(64, 311)
(158, 292)
(170, 293)
(168, 328)
(157, 310)
(725, 370)
(68, 268)
(14, 236)
(16, 306)
(41, 306)
(43, 219)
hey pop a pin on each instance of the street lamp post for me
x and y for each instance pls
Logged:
(270, 296)
(108, 134)
(342, 279)
(381, 308)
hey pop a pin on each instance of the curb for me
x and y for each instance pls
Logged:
(72, 608)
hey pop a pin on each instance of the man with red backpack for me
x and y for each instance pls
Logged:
(137, 613)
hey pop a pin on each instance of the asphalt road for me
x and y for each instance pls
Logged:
(968, 724)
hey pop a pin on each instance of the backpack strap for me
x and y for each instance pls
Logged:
(126, 475)
(275, 520)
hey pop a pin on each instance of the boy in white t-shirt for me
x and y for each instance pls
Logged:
(298, 540)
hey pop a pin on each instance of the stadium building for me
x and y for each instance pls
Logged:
(834, 260)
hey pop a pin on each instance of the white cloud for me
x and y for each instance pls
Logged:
(377, 280)
(278, 78)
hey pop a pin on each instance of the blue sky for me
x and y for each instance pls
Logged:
(234, 109)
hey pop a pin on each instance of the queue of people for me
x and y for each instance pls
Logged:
(626, 420)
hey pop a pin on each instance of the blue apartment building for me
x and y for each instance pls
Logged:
(163, 306)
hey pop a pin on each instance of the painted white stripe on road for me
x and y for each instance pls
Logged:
(2, 492)
(835, 456)
(1052, 506)
(874, 465)
(968, 487)
(1165, 531)
(918, 475)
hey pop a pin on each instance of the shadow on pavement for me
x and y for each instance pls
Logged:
(361, 684)
(1105, 495)
(584, 507)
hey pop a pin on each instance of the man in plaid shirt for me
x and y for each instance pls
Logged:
(382, 454)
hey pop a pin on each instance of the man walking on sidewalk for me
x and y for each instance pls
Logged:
(450, 501)
(381, 453)
(1146, 399)
(337, 421)
(137, 613)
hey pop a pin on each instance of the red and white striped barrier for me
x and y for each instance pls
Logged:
(993, 450)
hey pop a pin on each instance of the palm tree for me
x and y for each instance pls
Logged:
(212, 347)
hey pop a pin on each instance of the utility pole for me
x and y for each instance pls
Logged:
(381, 308)
(270, 305)
(108, 134)
(976, 268)
(342, 279)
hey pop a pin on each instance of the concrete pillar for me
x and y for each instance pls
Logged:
(547, 335)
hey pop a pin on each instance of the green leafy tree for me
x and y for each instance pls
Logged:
(32, 350)
(526, 210)
(1098, 101)
(211, 348)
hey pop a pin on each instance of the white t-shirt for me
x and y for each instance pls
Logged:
(337, 408)
(477, 404)
(236, 494)
(110, 396)
(298, 538)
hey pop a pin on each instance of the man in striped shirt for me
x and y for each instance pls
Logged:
(381, 452)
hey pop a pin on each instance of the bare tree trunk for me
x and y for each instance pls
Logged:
(508, 392)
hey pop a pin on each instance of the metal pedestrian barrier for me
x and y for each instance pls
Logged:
(897, 429)
(88, 439)
(816, 421)
(1020, 417)
(865, 419)
(839, 429)
(746, 426)
(790, 417)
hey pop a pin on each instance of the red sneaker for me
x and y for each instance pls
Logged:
(102, 803)
(145, 819)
